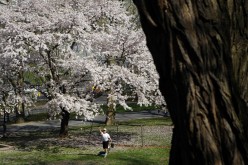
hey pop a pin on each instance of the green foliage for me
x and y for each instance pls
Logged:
(33, 78)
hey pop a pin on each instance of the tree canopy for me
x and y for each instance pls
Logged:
(64, 48)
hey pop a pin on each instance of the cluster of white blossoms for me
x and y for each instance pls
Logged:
(63, 46)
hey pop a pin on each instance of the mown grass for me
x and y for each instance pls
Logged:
(149, 122)
(120, 155)
(128, 156)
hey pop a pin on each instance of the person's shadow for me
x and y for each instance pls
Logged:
(101, 153)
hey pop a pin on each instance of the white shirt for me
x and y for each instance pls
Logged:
(105, 137)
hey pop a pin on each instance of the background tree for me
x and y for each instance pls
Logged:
(38, 38)
(126, 67)
(13, 63)
(65, 46)
(200, 51)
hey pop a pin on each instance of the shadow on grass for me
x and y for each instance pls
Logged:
(22, 139)
(88, 154)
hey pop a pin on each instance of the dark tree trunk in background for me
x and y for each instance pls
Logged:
(64, 123)
(200, 49)
(4, 123)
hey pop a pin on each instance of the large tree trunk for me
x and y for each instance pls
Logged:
(200, 51)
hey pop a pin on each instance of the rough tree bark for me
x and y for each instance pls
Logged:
(200, 49)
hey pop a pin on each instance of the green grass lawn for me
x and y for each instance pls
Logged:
(149, 122)
(125, 156)
(52, 154)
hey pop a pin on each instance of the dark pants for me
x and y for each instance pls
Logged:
(105, 144)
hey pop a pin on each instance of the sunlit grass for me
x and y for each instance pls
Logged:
(157, 154)
(149, 121)
(120, 156)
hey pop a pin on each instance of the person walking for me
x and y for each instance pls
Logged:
(105, 140)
